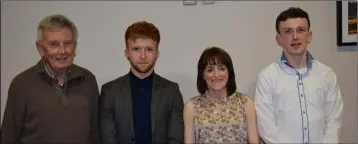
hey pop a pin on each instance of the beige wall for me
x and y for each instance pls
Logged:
(245, 29)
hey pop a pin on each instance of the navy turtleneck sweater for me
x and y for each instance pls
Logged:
(141, 93)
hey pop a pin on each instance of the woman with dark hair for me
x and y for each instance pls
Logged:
(219, 114)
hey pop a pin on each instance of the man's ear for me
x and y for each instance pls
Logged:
(157, 55)
(309, 37)
(157, 49)
(279, 39)
(126, 53)
(40, 47)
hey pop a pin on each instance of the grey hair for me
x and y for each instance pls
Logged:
(58, 21)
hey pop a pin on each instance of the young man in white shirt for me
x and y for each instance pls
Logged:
(298, 99)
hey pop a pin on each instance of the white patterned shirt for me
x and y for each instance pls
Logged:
(298, 106)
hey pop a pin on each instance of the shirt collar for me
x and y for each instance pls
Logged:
(309, 60)
(51, 73)
(134, 77)
(74, 71)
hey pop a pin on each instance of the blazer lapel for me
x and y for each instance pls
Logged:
(127, 102)
(156, 90)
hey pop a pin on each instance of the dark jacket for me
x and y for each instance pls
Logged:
(37, 111)
(116, 114)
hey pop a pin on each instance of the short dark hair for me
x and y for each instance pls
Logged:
(292, 12)
(212, 56)
(142, 29)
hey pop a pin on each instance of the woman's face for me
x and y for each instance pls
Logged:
(216, 76)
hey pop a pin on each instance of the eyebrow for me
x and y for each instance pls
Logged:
(295, 28)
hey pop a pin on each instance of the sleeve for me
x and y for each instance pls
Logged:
(107, 123)
(95, 97)
(334, 109)
(267, 128)
(14, 114)
(176, 124)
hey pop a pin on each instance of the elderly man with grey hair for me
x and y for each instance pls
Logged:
(54, 101)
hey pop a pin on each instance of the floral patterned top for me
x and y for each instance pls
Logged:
(220, 121)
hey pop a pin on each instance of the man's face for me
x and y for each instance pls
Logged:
(142, 54)
(57, 47)
(294, 36)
